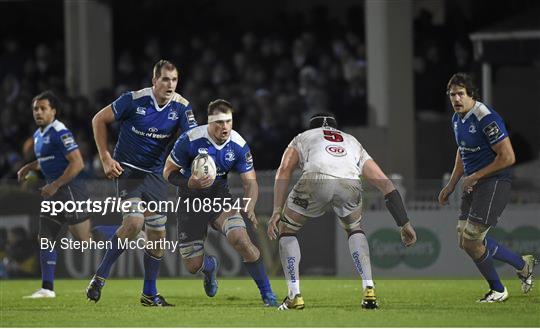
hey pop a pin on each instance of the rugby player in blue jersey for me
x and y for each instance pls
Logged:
(60, 161)
(230, 152)
(483, 158)
(150, 119)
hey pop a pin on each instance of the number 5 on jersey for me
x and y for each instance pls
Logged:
(333, 136)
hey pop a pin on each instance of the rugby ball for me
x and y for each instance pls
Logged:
(203, 165)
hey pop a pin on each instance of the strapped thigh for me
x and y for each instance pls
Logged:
(232, 223)
(475, 231)
(134, 208)
(191, 249)
(290, 223)
(155, 222)
(350, 224)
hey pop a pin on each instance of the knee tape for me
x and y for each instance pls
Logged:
(134, 208)
(291, 224)
(155, 222)
(474, 232)
(232, 223)
(191, 249)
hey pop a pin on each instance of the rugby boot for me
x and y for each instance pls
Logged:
(156, 301)
(93, 291)
(370, 300)
(297, 303)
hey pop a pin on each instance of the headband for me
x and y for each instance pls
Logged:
(220, 117)
(325, 118)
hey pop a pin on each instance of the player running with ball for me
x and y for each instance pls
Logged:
(229, 151)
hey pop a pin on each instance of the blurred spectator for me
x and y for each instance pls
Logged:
(21, 257)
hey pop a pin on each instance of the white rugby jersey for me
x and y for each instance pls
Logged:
(330, 151)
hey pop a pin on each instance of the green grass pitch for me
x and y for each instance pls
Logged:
(329, 303)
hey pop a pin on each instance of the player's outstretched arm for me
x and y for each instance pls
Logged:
(504, 159)
(74, 167)
(251, 194)
(289, 162)
(21, 174)
(457, 172)
(373, 173)
(111, 167)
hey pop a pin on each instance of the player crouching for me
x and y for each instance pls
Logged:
(331, 162)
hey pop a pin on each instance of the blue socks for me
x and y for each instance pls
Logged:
(47, 260)
(151, 270)
(208, 265)
(258, 273)
(485, 265)
(111, 255)
(500, 252)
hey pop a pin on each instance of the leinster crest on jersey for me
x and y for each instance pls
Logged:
(172, 115)
(229, 156)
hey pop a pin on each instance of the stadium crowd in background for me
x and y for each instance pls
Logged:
(276, 74)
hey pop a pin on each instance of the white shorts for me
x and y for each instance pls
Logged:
(316, 193)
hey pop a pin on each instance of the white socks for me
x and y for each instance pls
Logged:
(289, 253)
(359, 248)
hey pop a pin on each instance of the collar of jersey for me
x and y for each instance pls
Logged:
(476, 106)
(46, 128)
(218, 147)
(156, 105)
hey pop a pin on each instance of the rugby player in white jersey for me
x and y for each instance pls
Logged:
(331, 162)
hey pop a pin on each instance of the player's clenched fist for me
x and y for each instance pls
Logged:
(112, 168)
(444, 194)
(408, 235)
(21, 174)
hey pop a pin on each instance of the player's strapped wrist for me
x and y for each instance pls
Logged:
(395, 206)
(177, 179)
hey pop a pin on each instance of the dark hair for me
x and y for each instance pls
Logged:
(322, 119)
(51, 97)
(464, 80)
(163, 63)
(219, 105)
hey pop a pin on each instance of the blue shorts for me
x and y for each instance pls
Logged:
(193, 225)
(135, 183)
(486, 202)
(73, 191)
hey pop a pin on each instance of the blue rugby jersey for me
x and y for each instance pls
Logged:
(475, 133)
(51, 147)
(233, 154)
(147, 129)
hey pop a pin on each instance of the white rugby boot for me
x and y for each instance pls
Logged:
(42, 293)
